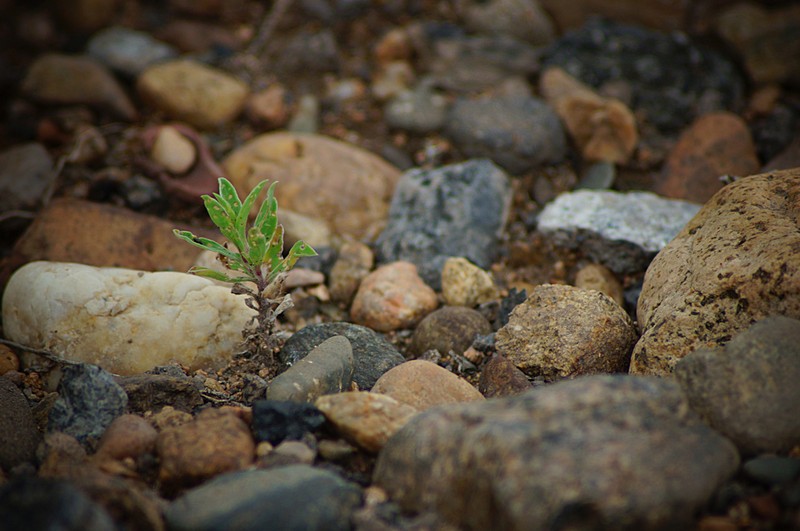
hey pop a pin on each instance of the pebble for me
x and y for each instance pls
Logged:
(450, 328)
(275, 421)
(747, 390)
(169, 417)
(420, 110)
(659, 71)
(373, 355)
(127, 436)
(86, 16)
(604, 129)
(309, 52)
(311, 230)
(9, 361)
(288, 453)
(88, 402)
(598, 176)
(521, 19)
(19, 436)
(271, 107)
(76, 80)
(366, 419)
(394, 45)
(26, 172)
(500, 377)
(456, 210)
(215, 442)
(620, 450)
(288, 497)
(392, 80)
(732, 264)
(465, 284)
(599, 278)
(772, 469)
(119, 318)
(128, 51)
(622, 231)
(189, 91)
(563, 332)
(518, 133)
(151, 392)
(715, 144)
(354, 262)
(72, 230)
(176, 153)
(423, 385)
(392, 297)
(306, 116)
(313, 169)
(328, 368)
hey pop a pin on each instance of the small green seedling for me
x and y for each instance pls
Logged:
(257, 258)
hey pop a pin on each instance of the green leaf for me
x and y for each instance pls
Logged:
(216, 275)
(223, 222)
(275, 249)
(298, 250)
(224, 204)
(258, 246)
(267, 218)
(228, 192)
(244, 211)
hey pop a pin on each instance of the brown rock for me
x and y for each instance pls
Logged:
(465, 284)
(422, 385)
(87, 16)
(563, 331)
(787, 159)
(715, 144)
(354, 262)
(449, 328)
(735, 262)
(200, 95)
(216, 441)
(500, 377)
(345, 186)
(603, 128)
(395, 45)
(169, 417)
(600, 278)
(127, 436)
(392, 297)
(665, 15)
(270, 107)
(8, 360)
(151, 392)
(18, 434)
(196, 36)
(75, 80)
(366, 419)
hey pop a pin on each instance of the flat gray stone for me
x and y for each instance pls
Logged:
(326, 369)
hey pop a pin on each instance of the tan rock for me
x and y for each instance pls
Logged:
(173, 151)
(422, 385)
(270, 107)
(603, 128)
(734, 263)
(465, 284)
(200, 95)
(392, 297)
(8, 360)
(127, 436)
(353, 264)
(343, 185)
(366, 419)
(715, 144)
(600, 278)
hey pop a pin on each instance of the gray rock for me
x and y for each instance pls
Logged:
(518, 133)
(448, 328)
(456, 210)
(128, 51)
(623, 231)
(326, 369)
(294, 497)
(18, 434)
(373, 355)
(748, 390)
(772, 469)
(600, 452)
(25, 173)
(89, 400)
(419, 111)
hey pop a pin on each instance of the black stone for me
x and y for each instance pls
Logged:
(278, 420)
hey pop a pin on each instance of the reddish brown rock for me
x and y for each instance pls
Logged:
(392, 297)
(422, 384)
(127, 436)
(500, 377)
(715, 144)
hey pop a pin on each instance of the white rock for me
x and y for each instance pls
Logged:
(173, 150)
(123, 320)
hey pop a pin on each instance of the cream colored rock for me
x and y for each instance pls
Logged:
(422, 385)
(465, 284)
(123, 320)
(173, 151)
(600, 278)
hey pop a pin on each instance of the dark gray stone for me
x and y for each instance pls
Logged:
(25, 173)
(448, 328)
(276, 420)
(622, 231)
(18, 434)
(290, 498)
(128, 51)
(89, 400)
(672, 80)
(326, 369)
(748, 390)
(29, 503)
(518, 133)
(602, 452)
(455, 210)
(773, 469)
(373, 355)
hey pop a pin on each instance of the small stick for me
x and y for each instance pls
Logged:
(39, 352)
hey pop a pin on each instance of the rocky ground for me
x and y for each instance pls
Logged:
(558, 281)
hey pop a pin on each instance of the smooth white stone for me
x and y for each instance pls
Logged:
(123, 320)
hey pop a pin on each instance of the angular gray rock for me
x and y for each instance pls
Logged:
(326, 369)
(18, 434)
(373, 355)
(456, 210)
(293, 497)
(749, 389)
(622, 231)
(600, 452)
(517, 133)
